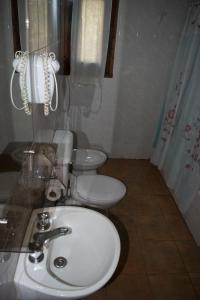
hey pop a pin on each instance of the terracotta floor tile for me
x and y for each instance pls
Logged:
(154, 239)
(125, 223)
(167, 205)
(99, 295)
(129, 287)
(145, 205)
(153, 227)
(133, 261)
(137, 205)
(195, 278)
(158, 185)
(140, 175)
(173, 286)
(135, 172)
(121, 228)
(125, 169)
(136, 188)
(190, 253)
(125, 243)
(162, 257)
(178, 228)
(150, 181)
(125, 206)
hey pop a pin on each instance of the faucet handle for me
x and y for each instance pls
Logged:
(35, 247)
(4, 221)
(30, 154)
(36, 254)
(44, 215)
(41, 238)
(43, 221)
(29, 151)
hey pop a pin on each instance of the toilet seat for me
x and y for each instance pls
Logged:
(87, 159)
(98, 190)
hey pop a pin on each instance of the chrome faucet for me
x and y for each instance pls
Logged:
(42, 238)
(4, 221)
(30, 154)
(43, 221)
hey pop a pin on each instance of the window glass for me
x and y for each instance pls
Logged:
(91, 31)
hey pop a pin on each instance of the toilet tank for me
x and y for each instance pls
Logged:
(64, 141)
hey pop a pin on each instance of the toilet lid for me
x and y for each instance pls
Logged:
(87, 157)
(99, 188)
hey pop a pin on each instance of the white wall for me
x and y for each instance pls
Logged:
(148, 35)
(93, 114)
(14, 124)
(45, 126)
(6, 128)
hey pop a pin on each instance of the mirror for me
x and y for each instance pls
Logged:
(34, 26)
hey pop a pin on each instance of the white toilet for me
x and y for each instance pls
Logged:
(96, 191)
(86, 161)
(90, 190)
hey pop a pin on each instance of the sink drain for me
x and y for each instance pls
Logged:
(60, 262)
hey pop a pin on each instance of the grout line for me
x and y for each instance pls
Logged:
(181, 256)
(195, 290)
(146, 273)
(139, 235)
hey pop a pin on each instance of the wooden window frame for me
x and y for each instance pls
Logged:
(112, 40)
(66, 7)
(15, 25)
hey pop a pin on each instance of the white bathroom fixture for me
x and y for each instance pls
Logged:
(64, 141)
(96, 191)
(86, 161)
(87, 189)
(36, 80)
(74, 265)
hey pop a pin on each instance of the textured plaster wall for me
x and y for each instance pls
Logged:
(92, 113)
(151, 34)
(124, 126)
(6, 128)
(45, 126)
(14, 124)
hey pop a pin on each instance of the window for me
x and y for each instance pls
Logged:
(38, 24)
(90, 33)
(90, 46)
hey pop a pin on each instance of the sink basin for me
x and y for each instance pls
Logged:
(91, 253)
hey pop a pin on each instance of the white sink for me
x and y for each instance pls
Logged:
(92, 252)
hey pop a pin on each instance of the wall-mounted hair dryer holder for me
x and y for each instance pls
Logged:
(37, 80)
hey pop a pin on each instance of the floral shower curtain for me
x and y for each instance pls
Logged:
(177, 143)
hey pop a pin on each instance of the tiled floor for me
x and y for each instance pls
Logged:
(159, 258)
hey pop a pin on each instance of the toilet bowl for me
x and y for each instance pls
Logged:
(84, 187)
(97, 191)
(86, 161)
